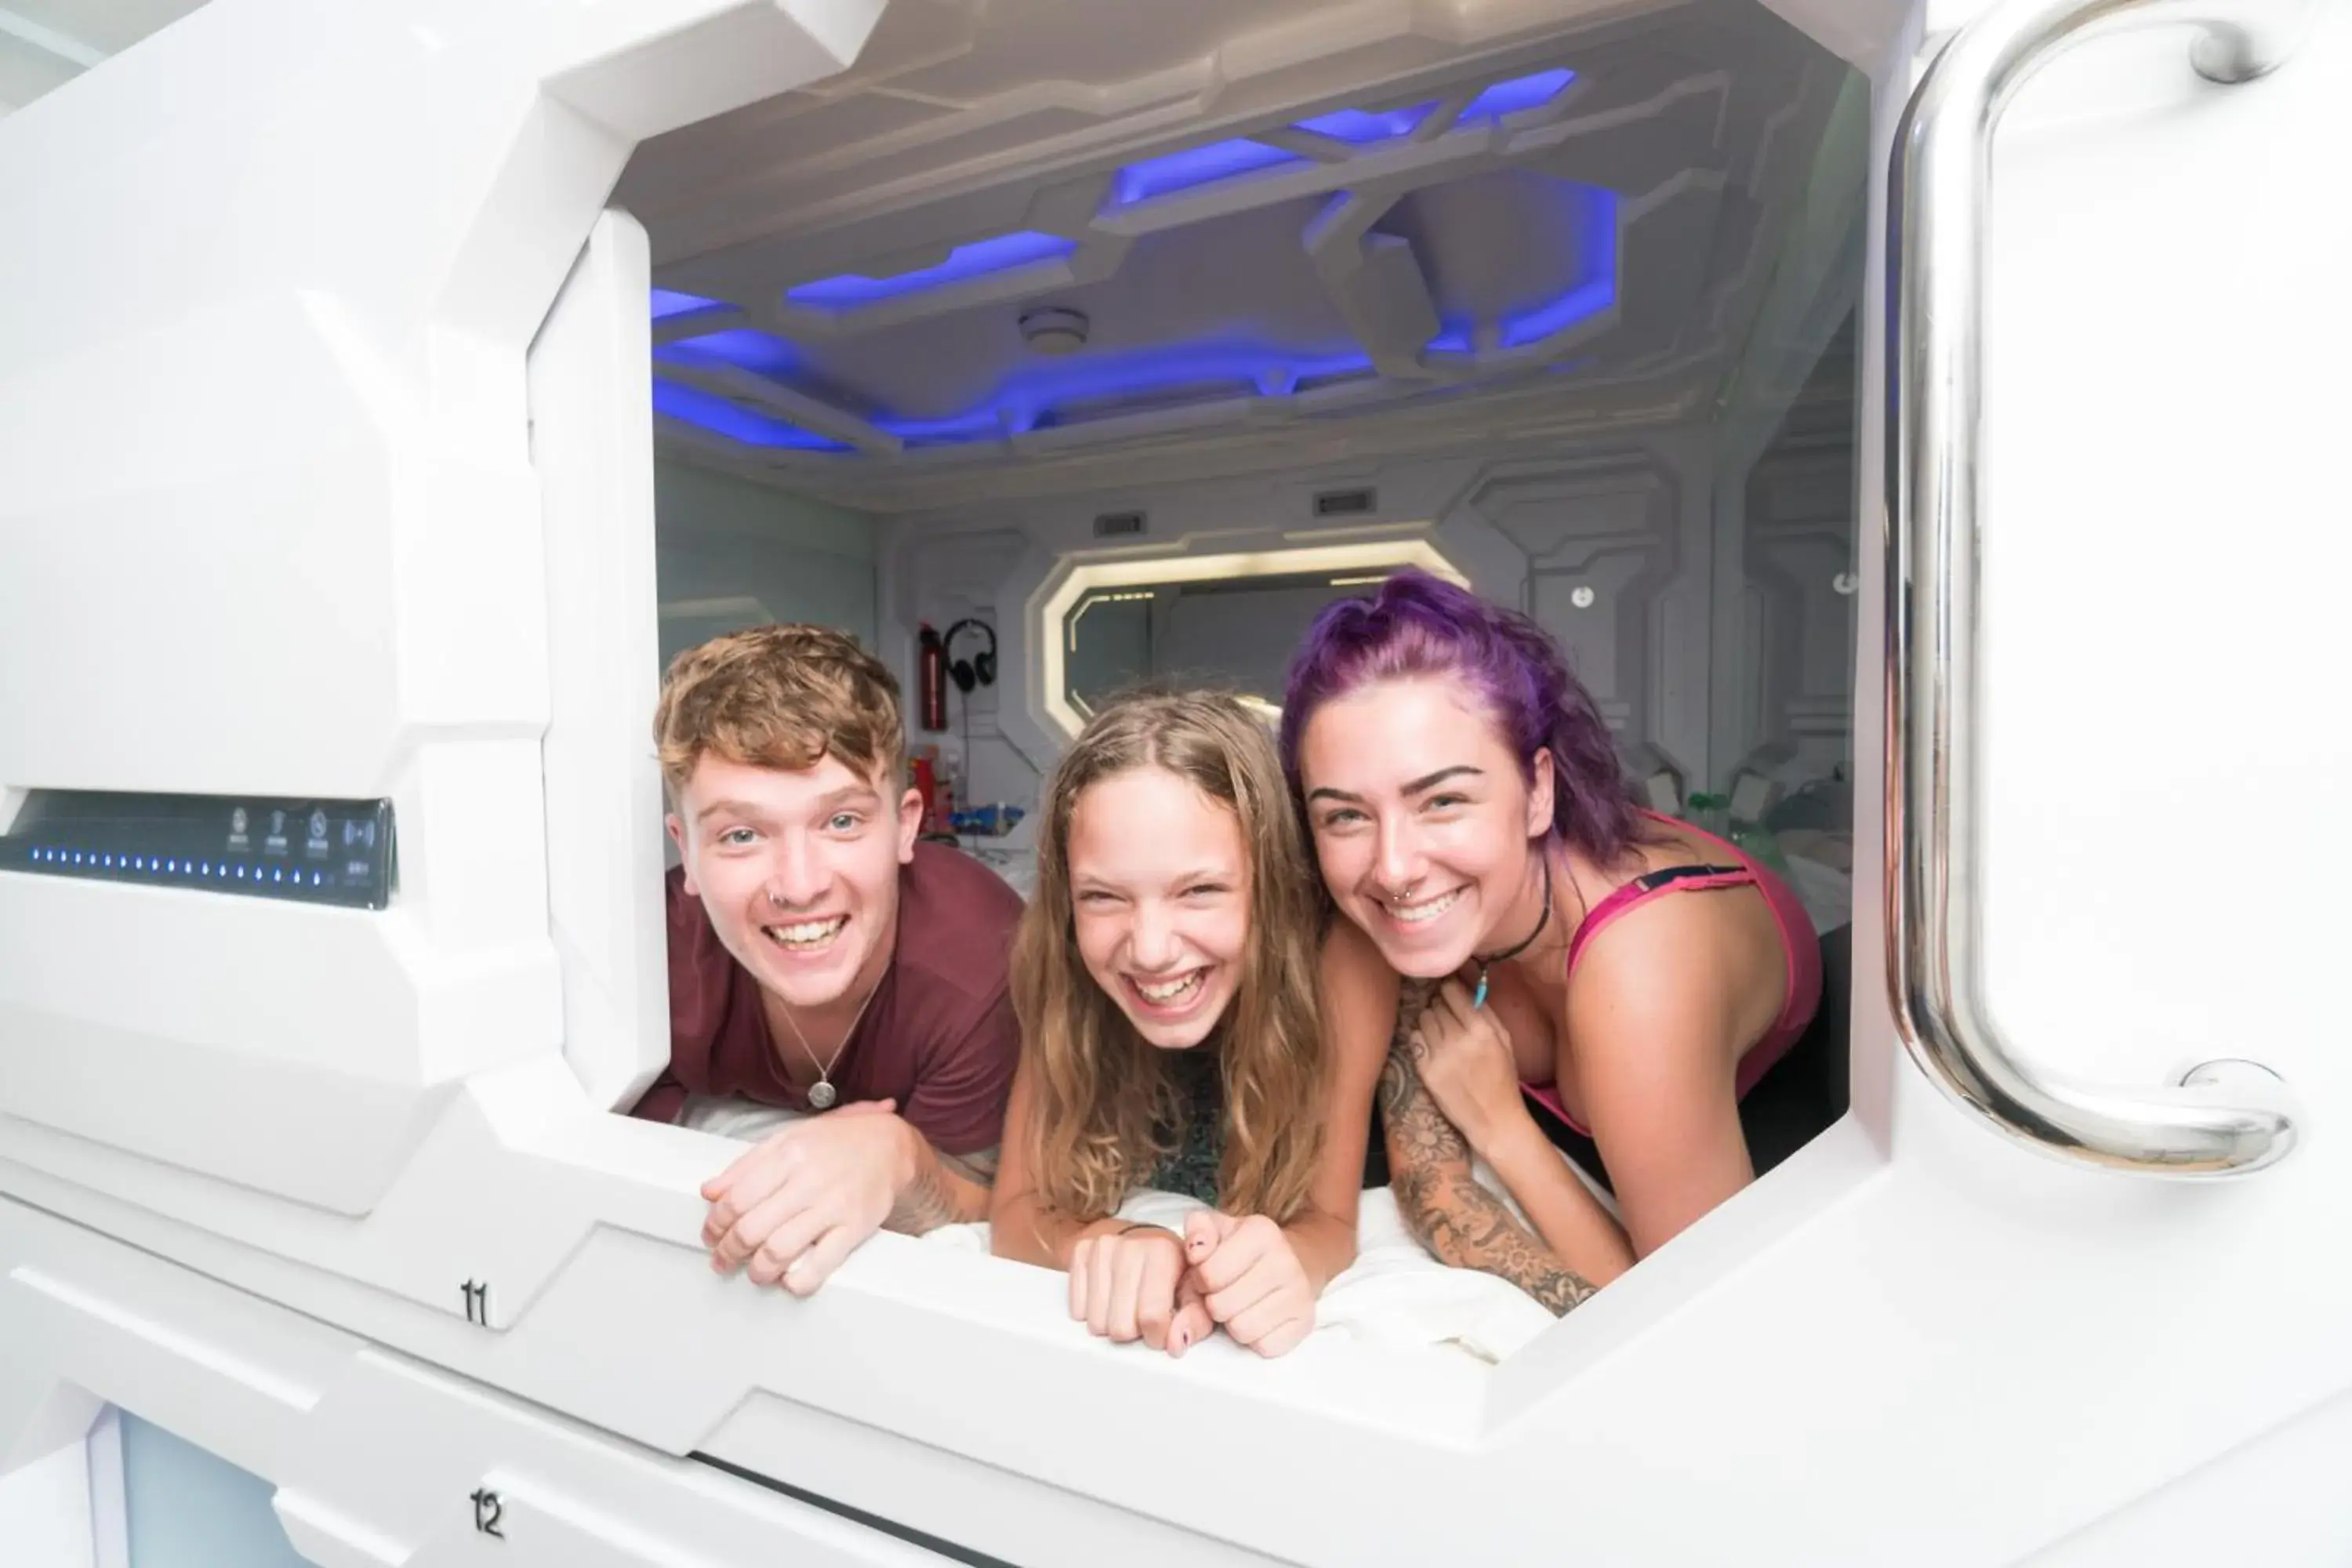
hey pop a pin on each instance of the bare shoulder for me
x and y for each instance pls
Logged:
(1701, 967)
(1352, 967)
(1358, 988)
(1718, 930)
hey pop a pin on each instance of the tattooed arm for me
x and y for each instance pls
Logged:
(940, 1189)
(1459, 1221)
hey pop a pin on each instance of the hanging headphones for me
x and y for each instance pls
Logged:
(978, 670)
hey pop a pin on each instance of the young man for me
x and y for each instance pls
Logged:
(823, 960)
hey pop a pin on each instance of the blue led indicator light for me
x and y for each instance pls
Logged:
(240, 873)
(317, 880)
(138, 864)
(277, 876)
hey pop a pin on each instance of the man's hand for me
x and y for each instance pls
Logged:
(802, 1199)
(1251, 1280)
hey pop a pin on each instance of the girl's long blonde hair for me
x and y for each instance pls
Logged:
(1099, 1096)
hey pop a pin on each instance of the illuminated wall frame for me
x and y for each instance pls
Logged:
(1062, 593)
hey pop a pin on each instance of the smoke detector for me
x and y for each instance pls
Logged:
(1054, 331)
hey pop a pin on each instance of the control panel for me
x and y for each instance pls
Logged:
(315, 851)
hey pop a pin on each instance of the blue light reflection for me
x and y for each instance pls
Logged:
(999, 253)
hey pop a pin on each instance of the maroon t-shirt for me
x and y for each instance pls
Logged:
(938, 1036)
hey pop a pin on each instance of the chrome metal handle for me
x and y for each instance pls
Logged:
(2224, 1119)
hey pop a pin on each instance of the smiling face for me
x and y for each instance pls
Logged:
(798, 871)
(1424, 821)
(1159, 901)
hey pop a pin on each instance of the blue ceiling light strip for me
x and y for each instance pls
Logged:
(1195, 166)
(964, 429)
(1517, 96)
(670, 303)
(1099, 385)
(740, 347)
(1000, 253)
(1362, 128)
(1034, 397)
(1218, 161)
(1594, 288)
(1591, 288)
(1456, 337)
(1041, 397)
(709, 411)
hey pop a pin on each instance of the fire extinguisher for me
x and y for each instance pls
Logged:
(932, 677)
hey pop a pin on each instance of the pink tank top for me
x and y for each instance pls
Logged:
(1801, 949)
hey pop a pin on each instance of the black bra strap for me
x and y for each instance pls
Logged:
(1656, 880)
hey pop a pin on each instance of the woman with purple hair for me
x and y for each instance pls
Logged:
(1563, 953)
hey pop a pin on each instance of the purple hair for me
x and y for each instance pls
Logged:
(1419, 625)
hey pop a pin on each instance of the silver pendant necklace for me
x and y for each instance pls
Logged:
(822, 1094)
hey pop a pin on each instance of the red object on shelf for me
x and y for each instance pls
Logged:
(931, 679)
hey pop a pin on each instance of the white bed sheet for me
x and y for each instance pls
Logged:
(1394, 1296)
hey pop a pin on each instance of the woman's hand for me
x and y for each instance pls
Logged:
(1134, 1285)
(1464, 1057)
(1251, 1278)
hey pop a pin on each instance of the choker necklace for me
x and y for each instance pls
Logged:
(1513, 952)
(822, 1094)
